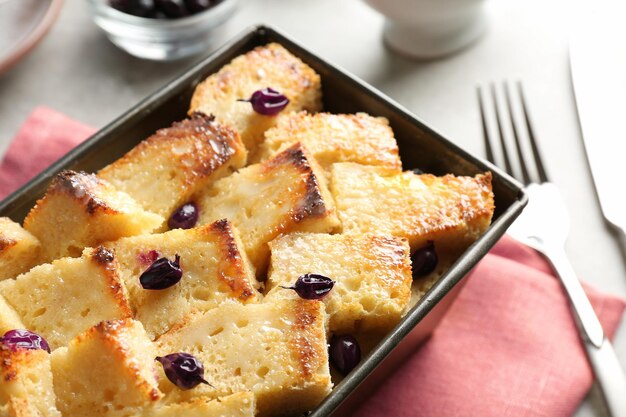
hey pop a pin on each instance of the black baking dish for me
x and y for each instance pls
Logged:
(420, 147)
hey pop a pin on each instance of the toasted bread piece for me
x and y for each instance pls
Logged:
(109, 370)
(266, 66)
(9, 320)
(284, 194)
(215, 269)
(372, 276)
(333, 138)
(26, 386)
(80, 210)
(242, 404)
(276, 350)
(451, 211)
(163, 171)
(19, 250)
(68, 296)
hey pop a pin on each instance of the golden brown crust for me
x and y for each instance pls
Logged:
(12, 361)
(83, 187)
(295, 72)
(6, 243)
(308, 330)
(310, 202)
(231, 269)
(211, 146)
(112, 333)
(103, 258)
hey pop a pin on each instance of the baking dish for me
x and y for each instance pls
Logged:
(420, 147)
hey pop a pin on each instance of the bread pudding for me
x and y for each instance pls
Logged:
(19, 249)
(230, 263)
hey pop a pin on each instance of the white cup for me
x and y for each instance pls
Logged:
(428, 29)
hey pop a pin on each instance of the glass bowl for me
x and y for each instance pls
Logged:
(162, 39)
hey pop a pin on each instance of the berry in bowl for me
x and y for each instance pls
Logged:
(162, 30)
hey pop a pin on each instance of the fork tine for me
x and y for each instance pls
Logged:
(488, 148)
(543, 175)
(518, 146)
(505, 151)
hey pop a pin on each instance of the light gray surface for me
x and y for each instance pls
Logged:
(77, 71)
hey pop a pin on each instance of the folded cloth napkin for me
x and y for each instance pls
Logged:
(43, 138)
(507, 347)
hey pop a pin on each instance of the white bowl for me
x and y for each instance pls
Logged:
(429, 29)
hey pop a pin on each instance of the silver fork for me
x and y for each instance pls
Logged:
(544, 225)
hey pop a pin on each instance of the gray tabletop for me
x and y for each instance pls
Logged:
(76, 70)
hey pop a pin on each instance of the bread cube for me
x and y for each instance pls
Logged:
(9, 320)
(266, 66)
(109, 370)
(372, 276)
(333, 138)
(19, 250)
(68, 296)
(26, 387)
(284, 194)
(215, 269)
(275, 350)
(451, 211)
(163, 171)
(80, 210)
(241, 404)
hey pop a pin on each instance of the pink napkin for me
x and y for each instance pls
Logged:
(507, 347)
(45, 137)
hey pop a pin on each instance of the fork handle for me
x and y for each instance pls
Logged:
(605, 364)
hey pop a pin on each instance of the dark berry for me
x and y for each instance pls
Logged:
(24, 339)
(141, 8)
(424, 260)
(417, 171)
(312, 286)
(267, 101)
(162, 274)
(184, 217)
(197, 6)
(172, 8)
(183, 370)
(345, 353)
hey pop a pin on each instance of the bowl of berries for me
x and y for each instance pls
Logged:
(163, 30)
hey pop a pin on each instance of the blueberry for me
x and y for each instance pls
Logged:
(141, 8)
(197, 6)
(424, 260)
(162, 274)
(267, 101)
(184, 217)
(183, 370)
(344, 353)
(312, 286)
(24, 339)
(172, 8)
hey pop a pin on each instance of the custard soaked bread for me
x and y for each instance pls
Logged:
(214, 266)
(281, 195)
(241, 404)
(372, 276)
(9, 319)
(19, 250)
(451, 211)
(333, 138)
(62, 299)
(275, 350)
(26, 383)
(266, 66)
(162, 172)
(80, 210)
(109, 370)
